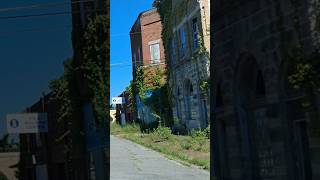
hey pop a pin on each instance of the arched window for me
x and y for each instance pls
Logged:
(252, 118)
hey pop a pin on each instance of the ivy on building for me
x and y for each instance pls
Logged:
(302, 67)
(63, 93)
(95, 67)
(153, 91)
(130, 91)
(168, 16)
(95, 70)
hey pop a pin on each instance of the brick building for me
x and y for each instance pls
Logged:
(126, 108)
(147, 53)
(188, 49)
(146, 43)
(45, 154)
(260, 128)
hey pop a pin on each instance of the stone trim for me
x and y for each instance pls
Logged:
(154, 42)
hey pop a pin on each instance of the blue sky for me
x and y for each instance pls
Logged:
(30, 59)
(123, 15)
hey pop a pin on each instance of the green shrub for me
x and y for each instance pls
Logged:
(207, 131)
(200, 139)
(186, 144)
(161, 134)
(198, 134)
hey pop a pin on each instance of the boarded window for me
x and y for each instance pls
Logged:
(155, 53)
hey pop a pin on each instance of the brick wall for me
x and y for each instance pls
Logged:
(250, 37)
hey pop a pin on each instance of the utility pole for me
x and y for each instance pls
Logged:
(45, 137)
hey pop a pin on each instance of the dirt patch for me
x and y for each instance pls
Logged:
(7, 160)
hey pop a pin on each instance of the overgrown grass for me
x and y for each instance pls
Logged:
(192, 149)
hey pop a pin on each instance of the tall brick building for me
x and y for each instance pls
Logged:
(147, 51)
(260, 128)
(46, 154)
(146, 43)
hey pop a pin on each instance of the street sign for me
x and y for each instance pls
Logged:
(27, 123)
(117, 100)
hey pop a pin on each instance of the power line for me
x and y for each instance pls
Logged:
(42, 5)
(39, 29)
(45, 14)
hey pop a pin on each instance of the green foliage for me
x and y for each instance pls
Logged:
(198, 134)
(62, 92)
(207, 132)
(204, 85)
(156, 79)
(95, 68)
(187, 144)
(159, 99)
(140, 82)
(130, 91)
(304, 74)
(161, 134)
(4, 141)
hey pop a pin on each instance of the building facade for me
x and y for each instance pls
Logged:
(126, 109)
(146, 43)
(260, 128)
(45, 155)
(188, 49)
(148, 54)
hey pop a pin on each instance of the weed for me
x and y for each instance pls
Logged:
(161, 134)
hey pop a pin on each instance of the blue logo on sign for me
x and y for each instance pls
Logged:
(14, 123)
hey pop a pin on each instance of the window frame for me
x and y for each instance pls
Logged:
(157, 60)
(195, 34)
(183, 41)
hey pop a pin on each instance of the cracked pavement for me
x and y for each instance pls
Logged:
(130, 161)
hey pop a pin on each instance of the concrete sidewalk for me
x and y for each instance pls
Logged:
(130, 161)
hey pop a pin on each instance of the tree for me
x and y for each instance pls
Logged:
(4, 141)
(96, 66)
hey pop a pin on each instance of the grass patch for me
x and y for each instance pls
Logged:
(193, 149)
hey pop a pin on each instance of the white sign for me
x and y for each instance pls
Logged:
(117, 100)
(27, 123)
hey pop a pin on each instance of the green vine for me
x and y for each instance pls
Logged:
(204, 85)
(130, 91)
(63, 93)
(95, 68)
(153, 91)
(303, 73)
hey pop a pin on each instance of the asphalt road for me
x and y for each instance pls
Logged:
(130, 161)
